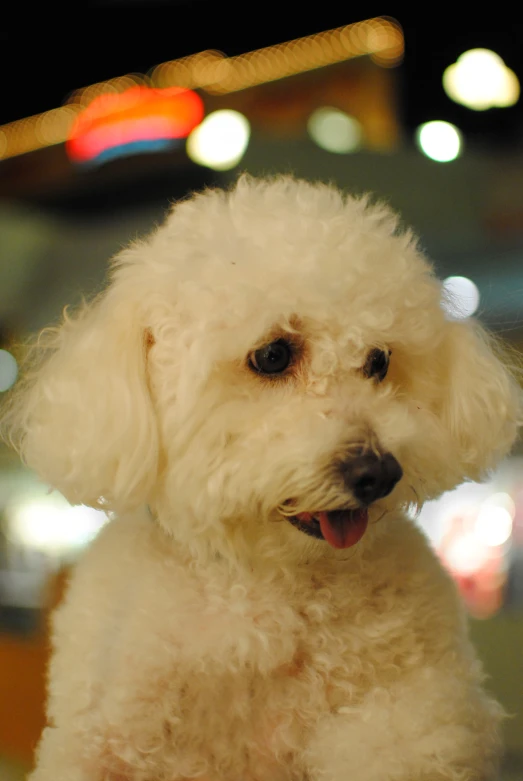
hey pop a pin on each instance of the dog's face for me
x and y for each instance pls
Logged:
(277, 352)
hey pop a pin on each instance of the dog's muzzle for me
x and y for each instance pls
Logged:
(369, 476)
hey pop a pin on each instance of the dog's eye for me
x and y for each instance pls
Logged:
(377, 364)
(273, 358)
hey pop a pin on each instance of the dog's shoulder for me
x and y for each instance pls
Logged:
(404, 557)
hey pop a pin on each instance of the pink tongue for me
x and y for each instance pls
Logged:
(343, 528)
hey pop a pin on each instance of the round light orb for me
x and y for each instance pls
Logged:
(441, 141)
(220, 141)
(335, 131)
(479, 79)
(460, 297)
(8, 370)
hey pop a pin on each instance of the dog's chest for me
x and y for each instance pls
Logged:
(239, 672)
(274, 662)
(252, 714)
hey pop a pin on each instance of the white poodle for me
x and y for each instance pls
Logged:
(264, 387)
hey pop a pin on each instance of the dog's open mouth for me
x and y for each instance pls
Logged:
(340, 528)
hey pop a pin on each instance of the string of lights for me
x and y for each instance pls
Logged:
(216, 74)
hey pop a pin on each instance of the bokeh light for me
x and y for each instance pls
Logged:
(335, 131)
(476, 530)
(480, 80)
(380, 38)
(441, 141)
(220, 141)
(8, 370)
(493, 525)
(466, 554)
(54, 126)
(136, 120)
(461, 297)
(51, 525)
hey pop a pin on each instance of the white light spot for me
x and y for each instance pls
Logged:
(460, 297)
(220, 141)
(8, 370)
(466, 555)
(50, 524)
(440, 141)
(493, 525)
(503, 500)
(479, 79)
(335, 131)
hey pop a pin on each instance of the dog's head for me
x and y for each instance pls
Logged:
(278, 351)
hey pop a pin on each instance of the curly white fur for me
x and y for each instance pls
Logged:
(206, 637)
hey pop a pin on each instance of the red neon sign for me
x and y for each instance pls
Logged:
(138, 114)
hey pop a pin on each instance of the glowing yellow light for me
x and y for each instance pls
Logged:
(220, 141)
(440, 141)
(335, 131)
(382, 39)
(53, 127)
(378, 35)
(461, 297)
(479, 79)
(172, 74)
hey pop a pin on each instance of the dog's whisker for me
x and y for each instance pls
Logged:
(380, 517)
(415, 506)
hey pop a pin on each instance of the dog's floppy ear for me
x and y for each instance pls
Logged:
(83, 418)
(481, 400)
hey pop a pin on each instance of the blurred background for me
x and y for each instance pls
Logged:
(111, 111)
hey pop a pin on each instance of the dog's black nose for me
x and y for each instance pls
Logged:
(371, 476)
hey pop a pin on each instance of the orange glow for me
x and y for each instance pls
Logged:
(83, 97)
(138, 114)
